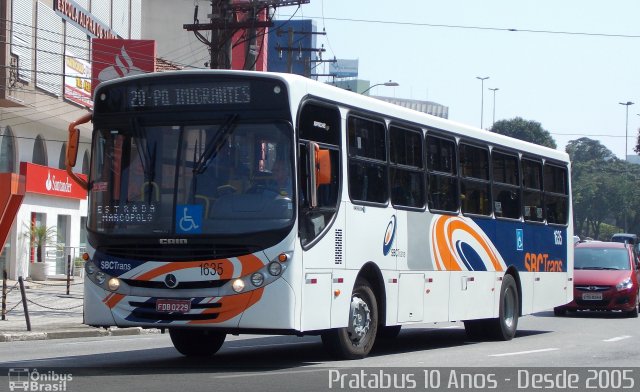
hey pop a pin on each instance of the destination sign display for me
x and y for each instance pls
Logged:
(191, 94)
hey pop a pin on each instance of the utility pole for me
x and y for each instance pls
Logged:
(225, 21)
(291, 49)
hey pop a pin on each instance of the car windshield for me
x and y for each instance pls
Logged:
(602, 259)
(224, 178)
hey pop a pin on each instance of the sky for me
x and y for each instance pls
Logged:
(569, 71)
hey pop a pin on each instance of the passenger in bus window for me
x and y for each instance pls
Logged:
(282, 178)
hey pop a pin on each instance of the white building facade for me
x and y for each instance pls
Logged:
(45, 83)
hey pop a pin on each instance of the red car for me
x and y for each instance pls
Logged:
(605, 277)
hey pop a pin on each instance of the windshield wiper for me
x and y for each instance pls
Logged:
(215, 145)
(147, 158)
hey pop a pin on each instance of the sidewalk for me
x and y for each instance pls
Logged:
(53, 313)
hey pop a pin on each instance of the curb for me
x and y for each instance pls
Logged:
(70, 334)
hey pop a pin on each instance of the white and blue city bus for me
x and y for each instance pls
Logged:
(243, 202)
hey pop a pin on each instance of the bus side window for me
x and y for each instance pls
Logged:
(442, 191)
(556, 194)
(532, 190)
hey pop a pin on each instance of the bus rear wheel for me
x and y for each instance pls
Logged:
(356, 340)
(196, 342)
(505, 325)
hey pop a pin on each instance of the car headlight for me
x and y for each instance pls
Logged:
(624, 285)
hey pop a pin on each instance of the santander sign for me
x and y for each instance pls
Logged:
(50, 181)
(52, 184)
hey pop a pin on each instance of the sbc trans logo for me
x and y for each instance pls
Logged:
(389, 235)
(23, 379)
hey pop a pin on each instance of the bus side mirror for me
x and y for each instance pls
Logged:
(320, 173)
(73, 143)
(323, 167)
(72, 147)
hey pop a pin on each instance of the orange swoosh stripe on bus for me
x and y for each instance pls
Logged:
(462, 225)
(442, 241)
(232, 306)
(112, 299)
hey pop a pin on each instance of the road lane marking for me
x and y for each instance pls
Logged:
(524, 352)
(617, 338)
(262, 374)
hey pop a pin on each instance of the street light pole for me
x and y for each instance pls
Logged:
(626, 127)
(482, 79)
(626, 140)
(388, 84)
(494, 103)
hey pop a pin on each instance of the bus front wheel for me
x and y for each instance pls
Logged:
(356, 340)
(197, 342)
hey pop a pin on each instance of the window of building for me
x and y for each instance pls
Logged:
(506, 185)
(556, 195)
(62, 161)
(532, 190)
(368, 180)
(406, 167)
(443, 194)
(85, 163)
(40, 152)
(475, 194)
(7, 151)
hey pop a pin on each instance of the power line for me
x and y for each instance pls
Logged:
(488, 28)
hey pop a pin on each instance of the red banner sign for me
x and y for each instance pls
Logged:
(116, 58)
(52, 182)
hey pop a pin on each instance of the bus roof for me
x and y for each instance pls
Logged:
(308, 87)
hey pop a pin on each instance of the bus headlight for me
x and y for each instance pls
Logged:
(113, 284)
(238, 285)
(90, 268)
(257, 279)
(275, 268)
(101, 277)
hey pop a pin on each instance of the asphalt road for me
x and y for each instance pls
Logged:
(416, 359)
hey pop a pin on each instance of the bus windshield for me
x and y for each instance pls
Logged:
(223, 178)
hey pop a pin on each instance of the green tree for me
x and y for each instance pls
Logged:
(530, 131)
(585, 149)
(39, 236)
(603, 189)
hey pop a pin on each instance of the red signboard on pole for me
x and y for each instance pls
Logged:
(117, 58)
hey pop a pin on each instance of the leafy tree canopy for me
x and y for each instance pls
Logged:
(530, 131)
(585, 150)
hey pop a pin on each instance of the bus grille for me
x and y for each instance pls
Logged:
(203, 284)
(146, 252)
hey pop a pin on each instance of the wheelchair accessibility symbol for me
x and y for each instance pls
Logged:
(189, 219)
